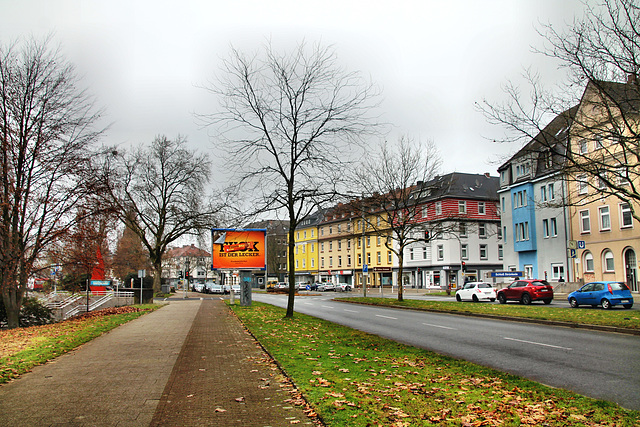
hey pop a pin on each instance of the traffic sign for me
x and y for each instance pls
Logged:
(572, 253)
(582, 244)
(572, 244)
(506, 274)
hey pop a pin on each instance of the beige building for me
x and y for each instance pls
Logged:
(606, 234)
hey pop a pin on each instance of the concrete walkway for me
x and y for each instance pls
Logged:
(187, 364)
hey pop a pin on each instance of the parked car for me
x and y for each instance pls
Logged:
(476, 291)
(606, 294)
(215, 289)
(326, 286)
(314, 286)
(343, 287)
(526, 291)
(301, 286)
(282, 285)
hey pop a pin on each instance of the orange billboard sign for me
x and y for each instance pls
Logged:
(239, 249)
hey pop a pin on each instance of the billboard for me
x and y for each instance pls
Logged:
(238, 249)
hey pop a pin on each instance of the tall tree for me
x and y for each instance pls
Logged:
(290, 122)
(158, 192)
(130, 255)
(47, 135)
(391, 182)
(601, 54)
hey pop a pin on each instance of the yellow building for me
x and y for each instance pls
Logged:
(306, 249)
(607, 235)
(342, 252)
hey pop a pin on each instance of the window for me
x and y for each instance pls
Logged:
(339, 227)
(522, 231)
(440, 253)
(297, 266)
(305, 234)
(588, 262)
(389, 257)
(464, 251)
(623, 175)
(438, 208)
(330, 245)
(379, 256)
(462, 206)
(339, 261)
(368, 241)
(296, 250)
(359, 259)
(321, 262)
(410, 254)
(463, 229)
(313, 248)
(378, 241)
(585, 222)
(425, 253)
(482, 230)
(583, 187)
(481, 208)
(605, 218)
(557, 271)
(500, 252)
(543, 193)
(330, 230)
(554, 227)
(322, 247)
(499, 233)
(545, 228)
(348, 243)
(583, 146)
(339, 245)
(483, 251)
(348, 260)
(626, 219)
(551, 192)
(602, 184)
(368, 258)
(607, 262)
(313, 263)
(330, 261)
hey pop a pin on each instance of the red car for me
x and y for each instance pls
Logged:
(527, 290)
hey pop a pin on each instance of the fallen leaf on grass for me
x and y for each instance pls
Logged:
(220, 410)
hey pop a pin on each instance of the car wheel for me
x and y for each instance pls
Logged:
(526, 299)
(627, 305)
(474, 298)
(574, 303)
(547, 301)
(606, 304)
(502, 299)
(458, 298)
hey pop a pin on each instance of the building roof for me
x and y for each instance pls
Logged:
(190, 251)
(460, 185)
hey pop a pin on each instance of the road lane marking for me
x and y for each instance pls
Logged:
(386, 317)
(440, 326)
(351, 311)
(537, 343)
(328, 306)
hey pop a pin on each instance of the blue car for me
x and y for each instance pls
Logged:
(606, 294)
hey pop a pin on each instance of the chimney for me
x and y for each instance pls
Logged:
(487, 175)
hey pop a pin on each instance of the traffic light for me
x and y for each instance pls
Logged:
(464, 266)
(426, 235)
(179, 274)
(186, 274)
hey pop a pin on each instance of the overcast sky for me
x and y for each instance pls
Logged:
(433, 59)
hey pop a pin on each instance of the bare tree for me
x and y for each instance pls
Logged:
(130, 255)
(392, 181)
(599, 104)
(47, 134)
(291, 123)
(158, 192)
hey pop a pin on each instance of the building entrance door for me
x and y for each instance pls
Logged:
(631, 267)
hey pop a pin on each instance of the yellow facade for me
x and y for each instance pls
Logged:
(306, 253)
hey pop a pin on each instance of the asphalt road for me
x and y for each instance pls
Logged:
(596, 364)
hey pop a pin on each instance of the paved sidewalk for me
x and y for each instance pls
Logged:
(187, 364)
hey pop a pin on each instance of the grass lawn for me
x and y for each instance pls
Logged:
(617, 317)
(351, 378)
(23, 348)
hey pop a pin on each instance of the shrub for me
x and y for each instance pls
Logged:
(32, 313)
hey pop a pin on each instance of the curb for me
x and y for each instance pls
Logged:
(612, 329)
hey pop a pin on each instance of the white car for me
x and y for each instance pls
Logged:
(326, 286)
(476, 291)
(343, 287)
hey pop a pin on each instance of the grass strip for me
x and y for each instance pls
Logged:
(23, 348)
(357, 379)
(620, 318)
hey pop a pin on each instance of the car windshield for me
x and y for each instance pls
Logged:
(484, 285)
(619, 286)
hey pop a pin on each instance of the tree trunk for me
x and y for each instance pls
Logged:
(292, 274)
(157, 276)
(12, 302)
(400, 268)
